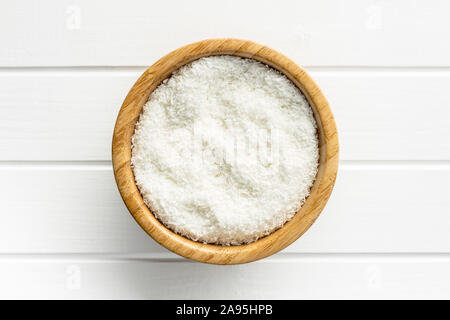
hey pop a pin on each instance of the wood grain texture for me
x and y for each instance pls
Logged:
(276, 241)
(371, 202)
(52, 210)
(290, 277)
(378, 112)
(322, 32)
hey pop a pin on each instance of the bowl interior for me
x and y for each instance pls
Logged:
(211, 253)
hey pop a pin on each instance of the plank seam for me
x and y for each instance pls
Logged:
(107, 165)
(281, 257)
(135, 70)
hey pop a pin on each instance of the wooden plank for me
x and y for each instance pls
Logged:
(390, 115)
(77, 209)
(325, 32)
(60, 116)
(297, 277)
(70, 115)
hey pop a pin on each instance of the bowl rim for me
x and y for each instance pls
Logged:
(212, 253)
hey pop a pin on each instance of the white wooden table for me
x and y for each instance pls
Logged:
(65, 68)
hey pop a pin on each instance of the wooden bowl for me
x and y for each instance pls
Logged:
(210, 253)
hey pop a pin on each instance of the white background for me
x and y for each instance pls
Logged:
(65, 68)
